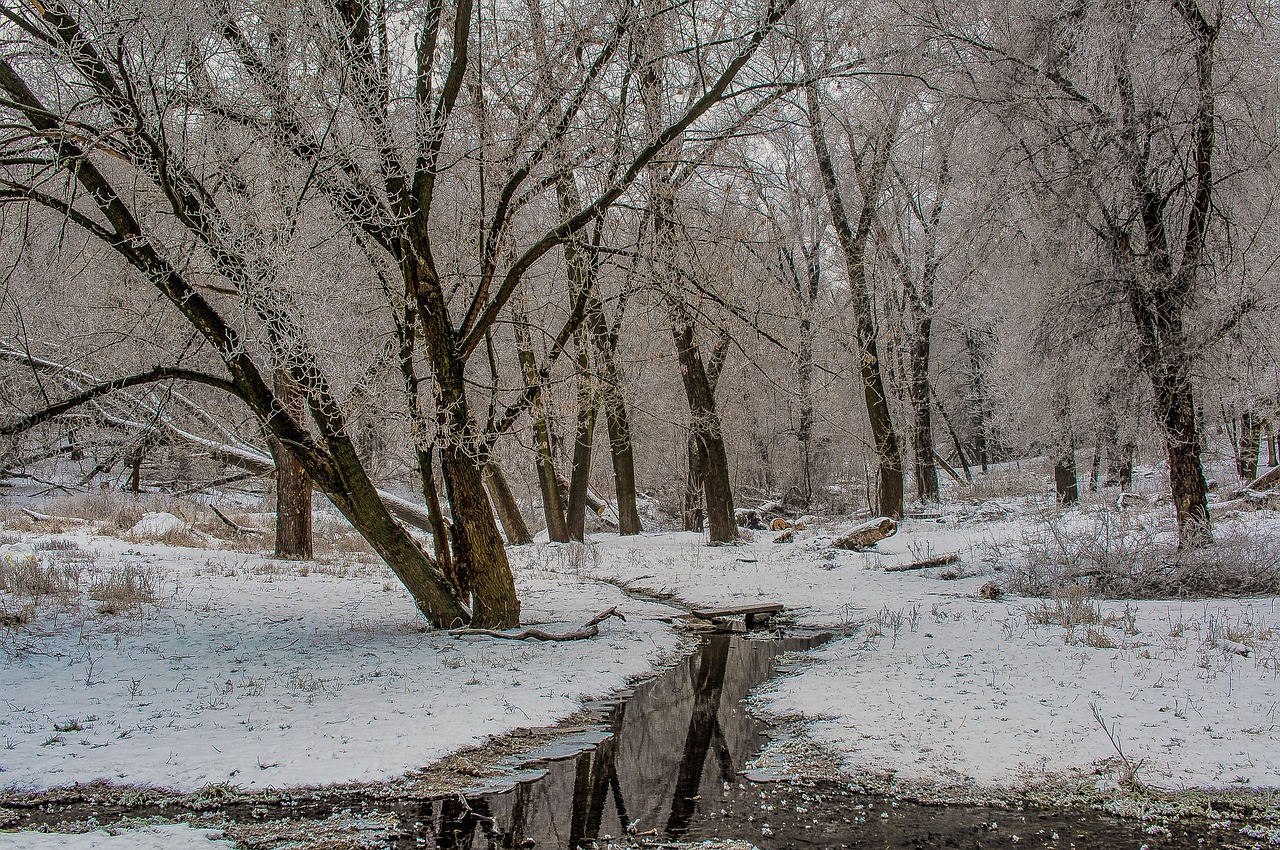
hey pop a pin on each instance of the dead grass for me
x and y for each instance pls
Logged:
(32, 578)
(1118, 556)
(1031, 477)
(125, 588)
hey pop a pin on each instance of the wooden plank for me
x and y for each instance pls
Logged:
(735, 610)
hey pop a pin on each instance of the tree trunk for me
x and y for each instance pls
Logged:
(354, 495)
(1273, 440)
(440, 537)
(922, 433)
(692, 516)
(135, 472)
(553, 499)
(853, 243)
(1095, 468)
(479, 558)
(624, 465)
(704, 427)
(293, 485)
(584, 435)
(1248, 448)
(979, 409)
(1065, 486)
(504, 503)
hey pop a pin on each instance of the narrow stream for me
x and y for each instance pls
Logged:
(666, 765)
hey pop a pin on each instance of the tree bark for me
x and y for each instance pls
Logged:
(293, 485)
(504, 503)
(704, 427)
(1248, 445)
(1065, 485)
(922, 432)
(853, 244)
(553, 498)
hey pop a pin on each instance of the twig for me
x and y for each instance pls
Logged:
(589, 630)
(1129, 776)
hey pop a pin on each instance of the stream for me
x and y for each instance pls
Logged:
(665, 765)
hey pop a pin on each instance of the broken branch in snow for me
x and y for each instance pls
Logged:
(588, 630)
(938, 561)
(234, 526)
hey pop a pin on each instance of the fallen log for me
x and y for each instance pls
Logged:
(1265, 481)
(588, 630)
(938, 561)
(867, 534)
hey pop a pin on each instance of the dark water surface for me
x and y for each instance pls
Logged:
(670, 770)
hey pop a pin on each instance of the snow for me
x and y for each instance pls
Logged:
(157, 524)
(168, 837)
(937, 686)
(260, 673)
(263, 673)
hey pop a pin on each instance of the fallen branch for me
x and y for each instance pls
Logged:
(234, 526)
(938, 561)
(588, 630)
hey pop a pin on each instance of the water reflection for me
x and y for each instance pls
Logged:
(674, 746)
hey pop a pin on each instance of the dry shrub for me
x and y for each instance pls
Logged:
(1032, 477)
(1117, 557)
(120, 511)
(1071, 606)
(34, 578)
(125, 587)
(13, 618)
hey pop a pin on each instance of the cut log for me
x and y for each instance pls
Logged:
(939, 561)
(787, 536)
(866, 534)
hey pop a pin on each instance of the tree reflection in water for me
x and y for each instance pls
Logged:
(674, 746)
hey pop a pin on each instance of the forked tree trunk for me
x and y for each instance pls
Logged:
(354, 495)
(293, 485)
(704, 427)
(479, 557)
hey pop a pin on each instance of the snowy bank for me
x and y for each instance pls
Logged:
(262, 673)
(937, 686)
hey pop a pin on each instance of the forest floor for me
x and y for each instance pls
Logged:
(131, 660)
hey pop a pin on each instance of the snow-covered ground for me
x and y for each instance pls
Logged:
(167, 837)
(940, 687)
(261, 673)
